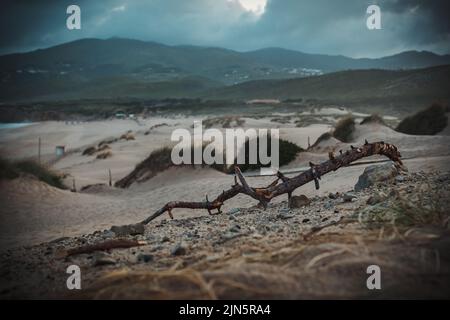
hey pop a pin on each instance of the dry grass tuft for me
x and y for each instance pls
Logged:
(12, 170)
(170, 284)
(104, 155)
(273, 270)
(127, 136)
(224, 122)
(344, 129)
(89, 151)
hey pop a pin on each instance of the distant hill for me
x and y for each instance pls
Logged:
(124, 67)
(330, 63)
(389, 87)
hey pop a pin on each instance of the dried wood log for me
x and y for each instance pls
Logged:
(287, 185)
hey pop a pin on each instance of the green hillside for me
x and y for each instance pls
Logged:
(349, 87)
(94, 68)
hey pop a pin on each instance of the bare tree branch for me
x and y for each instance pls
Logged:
(287, 185)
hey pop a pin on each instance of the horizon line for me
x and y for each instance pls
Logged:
(215, 47)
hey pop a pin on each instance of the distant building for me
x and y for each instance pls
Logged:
(60, 150)
(263, 101)
(120, 115)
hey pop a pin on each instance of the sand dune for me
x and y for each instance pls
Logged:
(33, 212)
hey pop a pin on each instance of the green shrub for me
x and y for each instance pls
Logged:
(7, 170)
(11, 170)
(426, 122)
(344, 129)
(161, 159)
(287, 153)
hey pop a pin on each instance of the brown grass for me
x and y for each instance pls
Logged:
(127, 136)
(12, 170)
(331, 265)
(89, 151)
(104, 155)
(103, 147)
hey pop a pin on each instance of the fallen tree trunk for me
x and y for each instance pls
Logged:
(286, 185)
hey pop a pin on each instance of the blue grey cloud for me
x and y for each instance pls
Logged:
(319, 26)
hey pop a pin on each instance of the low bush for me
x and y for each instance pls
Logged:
(11, 170)
(426, 122)
(344, 129)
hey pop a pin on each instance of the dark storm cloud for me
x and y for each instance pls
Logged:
(431, 23)
(28, 24)
(323, 26)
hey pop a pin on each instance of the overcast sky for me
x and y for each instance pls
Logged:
(317, 26)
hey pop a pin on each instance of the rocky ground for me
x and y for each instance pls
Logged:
(318, 248)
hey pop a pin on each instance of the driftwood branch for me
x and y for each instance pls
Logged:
(287, 185)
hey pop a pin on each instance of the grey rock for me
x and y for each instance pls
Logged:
(234, 211)
(400, 179)
(286, 215)
(328, 205)
(376, 173)
(130, 229)
(348, 197)
(145, 257)
(284, 211)
(333, 195)
(299, 201)
(179, 250)
(108, 234)
(235, 228)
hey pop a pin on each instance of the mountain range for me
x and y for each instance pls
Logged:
(131, 68)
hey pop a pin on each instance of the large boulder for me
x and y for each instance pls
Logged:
(376, 173)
